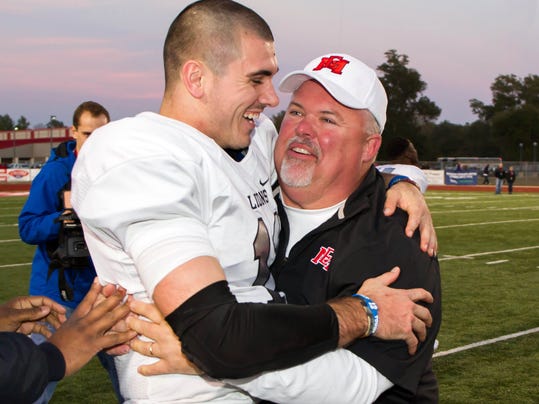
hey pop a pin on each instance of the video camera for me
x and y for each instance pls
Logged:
(74, 251)
(71, 251)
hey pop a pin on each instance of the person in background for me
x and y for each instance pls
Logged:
(499, 174)
(400, 150)
(486, 173)
(26, 368)
(65, 280)
(403, 158)
(510, 177)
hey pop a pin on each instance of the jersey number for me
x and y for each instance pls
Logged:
(261, 248)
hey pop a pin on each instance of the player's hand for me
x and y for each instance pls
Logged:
(86, 331)
(28, 314)
(399, 316)
(410, 199)
(164, 345)
(120, 327)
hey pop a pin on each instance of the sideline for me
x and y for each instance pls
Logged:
(485, 342)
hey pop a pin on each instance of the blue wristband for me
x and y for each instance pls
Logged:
(398, 178)
(372, 313)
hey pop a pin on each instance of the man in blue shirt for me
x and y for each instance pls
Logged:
(65, 282)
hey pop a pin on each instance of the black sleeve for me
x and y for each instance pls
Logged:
(27, 368)
(227, 339)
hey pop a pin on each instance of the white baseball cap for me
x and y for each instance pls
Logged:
(348, 80)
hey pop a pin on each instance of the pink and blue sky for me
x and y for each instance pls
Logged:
(58, 53)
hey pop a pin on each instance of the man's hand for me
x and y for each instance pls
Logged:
(399, 316)
(27, 314)
(408, 197)
(165, 345)
(86, 331)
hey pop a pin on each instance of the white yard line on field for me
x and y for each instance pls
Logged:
(468, 256)
(15, 265)
(496, 262)
(533, 207)
(10, 241)
(485, 342)
(450, 226)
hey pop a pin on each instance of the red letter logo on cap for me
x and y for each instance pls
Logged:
(333, 63)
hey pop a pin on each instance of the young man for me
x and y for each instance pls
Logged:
(39, 224)
(171, 216)
(334, 238)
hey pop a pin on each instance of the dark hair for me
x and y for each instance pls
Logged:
(400, 150)
(93, 108)
(209, 30)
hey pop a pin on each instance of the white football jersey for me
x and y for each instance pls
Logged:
(153, 193)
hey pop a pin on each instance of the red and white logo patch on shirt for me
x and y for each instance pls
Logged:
(324, 257)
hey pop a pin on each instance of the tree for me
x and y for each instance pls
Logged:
(23, 123)
(506, 91)
(513, 114)
(510, 128)
(6, 123)
(408, 109)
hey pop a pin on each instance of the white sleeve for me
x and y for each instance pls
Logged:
(414, 173)
(335, 377)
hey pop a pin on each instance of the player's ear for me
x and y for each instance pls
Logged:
(194, 77)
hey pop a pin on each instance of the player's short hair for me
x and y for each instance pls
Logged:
(208, 30)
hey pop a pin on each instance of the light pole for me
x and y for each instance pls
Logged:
(534, 152)
(16, 128)
(521, 145)
(51, 123)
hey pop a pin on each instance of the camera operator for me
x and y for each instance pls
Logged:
(61, 268)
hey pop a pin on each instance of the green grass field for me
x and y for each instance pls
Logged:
(489, 256)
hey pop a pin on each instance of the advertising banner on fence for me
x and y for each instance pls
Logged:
(435, 177)
(18, 175)
(460, 178)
